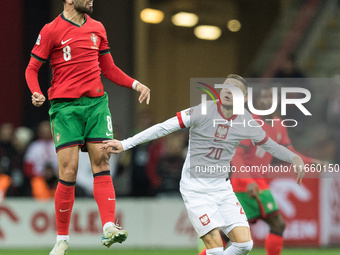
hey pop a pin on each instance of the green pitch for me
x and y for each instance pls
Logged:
(287, 251)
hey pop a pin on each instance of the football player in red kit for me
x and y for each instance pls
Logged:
(80, 117)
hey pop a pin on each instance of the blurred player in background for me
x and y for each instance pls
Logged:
(209, 199)
(41, 163)
(6, 154)
(78, 49)
(253, 191)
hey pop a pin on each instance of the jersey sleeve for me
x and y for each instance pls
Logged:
(189, 117)
(114, 73)
(256, 134)
(184, 118)
(278, 151)
(285, 140)
(31, 75)
(43, 45)
(104, 43)
(152, 133)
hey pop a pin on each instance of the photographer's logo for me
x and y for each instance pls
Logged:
(204, 97)
(238, 99)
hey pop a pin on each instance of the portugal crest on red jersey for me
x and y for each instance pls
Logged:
(94, 39)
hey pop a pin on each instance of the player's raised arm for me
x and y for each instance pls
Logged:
(284, 154)
(152, 133)
(116, 75)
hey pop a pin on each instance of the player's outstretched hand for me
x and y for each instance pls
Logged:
(38, 99)
(144, 93)
(299, 168)
(112, 146)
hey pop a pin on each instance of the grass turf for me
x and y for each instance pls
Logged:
(255, 251)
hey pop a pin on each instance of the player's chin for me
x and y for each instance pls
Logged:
(89, 10)
(227, 103)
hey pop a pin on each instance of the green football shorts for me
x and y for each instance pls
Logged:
(80, 121)
(251, 205)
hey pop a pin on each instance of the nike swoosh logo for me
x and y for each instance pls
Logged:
(62, 42)
(111, 199)
(64, 210)
(108, 134)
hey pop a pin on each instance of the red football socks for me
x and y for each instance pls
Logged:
(273, 244)
(203, 252)
(64, 199)
(105, 197)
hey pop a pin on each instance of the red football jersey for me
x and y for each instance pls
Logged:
(251, 155)
(74, 55)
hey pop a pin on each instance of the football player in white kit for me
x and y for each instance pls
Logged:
(204, 186)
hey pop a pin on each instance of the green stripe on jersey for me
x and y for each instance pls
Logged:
(103, 52)
(39, 58)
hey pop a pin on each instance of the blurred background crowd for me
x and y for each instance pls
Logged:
(29, 164)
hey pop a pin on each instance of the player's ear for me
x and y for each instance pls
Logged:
(245, 98)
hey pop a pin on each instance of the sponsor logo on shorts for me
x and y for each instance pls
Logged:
(58, 138)
(204, 219)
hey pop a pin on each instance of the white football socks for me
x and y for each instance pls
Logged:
(63, 237)
(215, 251)
(108, 224)
(239, 248)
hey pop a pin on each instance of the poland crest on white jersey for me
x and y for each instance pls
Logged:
(212, 145)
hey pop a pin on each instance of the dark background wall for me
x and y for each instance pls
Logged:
(11, 65)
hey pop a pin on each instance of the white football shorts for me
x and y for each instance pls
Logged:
(210, 210)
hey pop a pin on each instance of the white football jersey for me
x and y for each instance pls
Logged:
(212, 145)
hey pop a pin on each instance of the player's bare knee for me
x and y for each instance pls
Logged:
(102, 160)
(277, 226)
(281, 226)
(212, 239)
(68, 173)
(242, 248)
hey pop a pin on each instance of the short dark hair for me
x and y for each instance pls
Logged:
(239, 78)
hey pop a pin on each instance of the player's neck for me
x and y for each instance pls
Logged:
(74, 16)
(227, 111)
